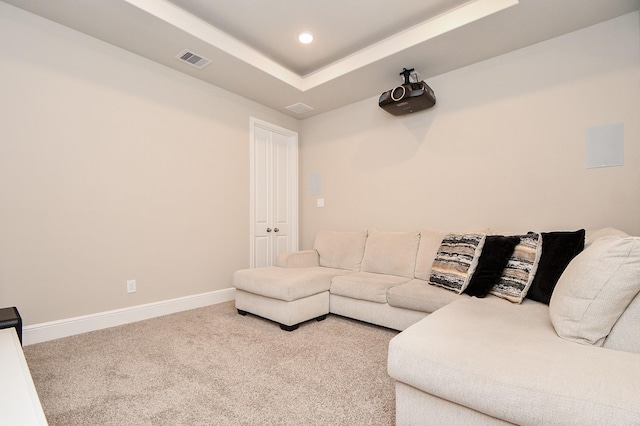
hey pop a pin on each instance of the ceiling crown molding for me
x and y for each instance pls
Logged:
(455, 18)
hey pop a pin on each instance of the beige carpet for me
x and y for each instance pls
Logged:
(211, 366)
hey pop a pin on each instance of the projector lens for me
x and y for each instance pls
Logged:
(398, 93)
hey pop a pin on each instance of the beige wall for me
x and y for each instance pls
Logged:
(112, 168)
(504, 147)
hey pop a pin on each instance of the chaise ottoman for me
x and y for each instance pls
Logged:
(288, 296)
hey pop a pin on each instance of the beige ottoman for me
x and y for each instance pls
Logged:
(289, 296)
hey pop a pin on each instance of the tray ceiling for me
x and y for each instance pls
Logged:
(359, 47)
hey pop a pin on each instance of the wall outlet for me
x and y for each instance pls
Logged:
(131, 286)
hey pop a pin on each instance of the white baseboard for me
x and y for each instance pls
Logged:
(43, 332)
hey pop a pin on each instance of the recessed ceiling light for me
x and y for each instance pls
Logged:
(305, 37)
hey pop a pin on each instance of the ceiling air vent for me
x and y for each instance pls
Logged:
(299, 108)
(193, 59)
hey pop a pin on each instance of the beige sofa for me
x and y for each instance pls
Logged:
(576, 361)
(373, 276)
(468, 360)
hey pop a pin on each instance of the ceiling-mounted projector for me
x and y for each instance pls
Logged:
(410, 97)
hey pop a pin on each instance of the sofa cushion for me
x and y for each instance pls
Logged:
(456, 261)
(286, 283)
(365, 286)
(592, 235)
(418, 295)
(495, 254)
(520, 270)
(391, 253)
(341, 250)
(595, 289)
(558, 249)
(430, 241)
(298, 259)
(506, 361)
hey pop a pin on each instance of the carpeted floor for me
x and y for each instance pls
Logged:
(211, 366)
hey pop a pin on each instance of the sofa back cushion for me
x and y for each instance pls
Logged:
(430, 241)
(592, 235)
(595, 289)
(341, 250)
(391, 253)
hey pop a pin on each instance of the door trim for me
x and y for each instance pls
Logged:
(293, 171)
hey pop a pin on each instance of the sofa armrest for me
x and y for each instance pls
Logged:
(298, 259)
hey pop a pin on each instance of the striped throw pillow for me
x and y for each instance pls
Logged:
(520, 270)
(456, 261)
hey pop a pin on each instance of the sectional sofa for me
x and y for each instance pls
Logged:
(539, 328)
(382, 285)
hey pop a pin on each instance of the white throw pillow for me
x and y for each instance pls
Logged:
(595, 289)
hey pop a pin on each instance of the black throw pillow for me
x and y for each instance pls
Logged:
(494, 257)
(558, 249)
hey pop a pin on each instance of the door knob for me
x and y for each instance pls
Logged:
(275, 230)
(269, 230)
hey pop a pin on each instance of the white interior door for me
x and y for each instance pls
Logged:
(274, 192)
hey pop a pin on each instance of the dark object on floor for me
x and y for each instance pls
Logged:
(10, 317)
